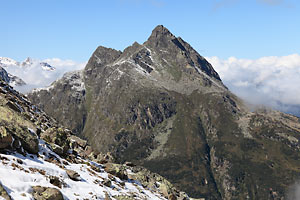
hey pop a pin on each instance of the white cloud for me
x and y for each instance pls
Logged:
(271, 81)
(36, 77)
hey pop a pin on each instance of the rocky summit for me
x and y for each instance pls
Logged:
(162, 105)
(41, 160)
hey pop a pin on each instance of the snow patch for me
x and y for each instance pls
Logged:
(45, 88)
(19, 173)
(208, 77)
(98, 60)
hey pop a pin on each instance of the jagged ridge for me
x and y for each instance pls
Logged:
(160, 104)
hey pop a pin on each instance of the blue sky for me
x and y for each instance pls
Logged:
(72, 29)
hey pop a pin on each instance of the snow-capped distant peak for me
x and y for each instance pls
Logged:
(29, 61)
(47, 67)
(7, 61)
(37, 73)
(16, 73)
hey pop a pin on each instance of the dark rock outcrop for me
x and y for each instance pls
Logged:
(10, 79)
(4, 75)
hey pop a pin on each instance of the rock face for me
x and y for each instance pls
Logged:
(4, 75)
(10, 79)
(161, 105)
(70, 90)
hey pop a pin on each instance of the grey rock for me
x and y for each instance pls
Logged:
(5, 138)
(116, 170)
(3, 193)
(28, 139)
(46, 193)
(107, 182)
(73, 175)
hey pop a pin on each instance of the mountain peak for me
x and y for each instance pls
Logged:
(160, 34)
(28, 61)
(161, 30)
(4, 61)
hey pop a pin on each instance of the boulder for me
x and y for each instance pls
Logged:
(76, 141)
(14, 106)
(164, 189)
(5, 138)
(107, 197)
(116, 170)
(29, 140)
(57, 137)
(107, 182)
(88, 151)
(3, 193)
(57, 149)
(149, 179)
(73, 175)
(46, 193)
(54, 180)
(104, 158)
(124, 197)
(172, 197)
(197, 198)
(129, 164)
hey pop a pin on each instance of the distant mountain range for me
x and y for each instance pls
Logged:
(28, 62)
(9, 68)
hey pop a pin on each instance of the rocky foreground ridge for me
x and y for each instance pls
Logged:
(42, 160)
(162, 105)
(10, 79)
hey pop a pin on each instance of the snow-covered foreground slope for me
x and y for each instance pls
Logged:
(19, 173)
(41, 160)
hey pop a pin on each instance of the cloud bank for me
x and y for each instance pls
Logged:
(271, 81)
(36, 77)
